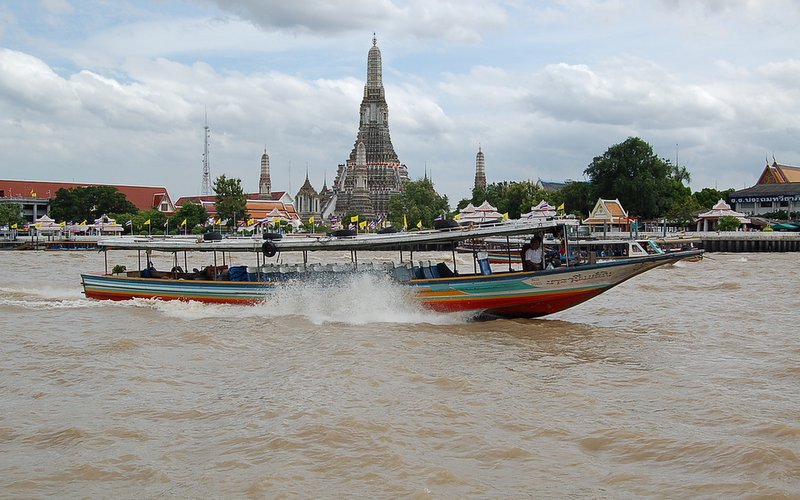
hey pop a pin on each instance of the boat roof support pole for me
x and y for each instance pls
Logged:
(139, 255)
(305, 260)
(215, 265)
(453, 250)
(508, 249)
(185, 262)
(258, 266)
(105, 258)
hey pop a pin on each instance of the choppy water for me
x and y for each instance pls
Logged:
(683, 382)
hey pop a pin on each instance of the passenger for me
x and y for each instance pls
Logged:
(534, 256)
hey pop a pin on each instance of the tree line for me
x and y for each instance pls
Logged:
(648, 187)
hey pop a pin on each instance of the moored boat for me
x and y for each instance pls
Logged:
(437, 286)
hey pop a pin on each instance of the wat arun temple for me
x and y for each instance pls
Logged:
(373, 172)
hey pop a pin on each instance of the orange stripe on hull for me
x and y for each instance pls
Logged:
(527, 306)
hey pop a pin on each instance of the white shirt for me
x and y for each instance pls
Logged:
(534, 255)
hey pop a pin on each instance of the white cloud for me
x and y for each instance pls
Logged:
(117, 91)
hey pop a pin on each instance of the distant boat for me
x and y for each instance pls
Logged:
(484, 291)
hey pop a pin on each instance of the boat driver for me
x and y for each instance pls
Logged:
(534, 256)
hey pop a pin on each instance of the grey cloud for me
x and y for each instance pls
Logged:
(455, 21)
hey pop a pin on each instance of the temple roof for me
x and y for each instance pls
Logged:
(779, 174)
(782, 189)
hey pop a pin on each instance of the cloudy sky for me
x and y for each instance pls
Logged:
(115, 91)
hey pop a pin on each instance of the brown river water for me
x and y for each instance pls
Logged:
(682, 382)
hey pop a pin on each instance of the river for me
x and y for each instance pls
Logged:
(682, 382)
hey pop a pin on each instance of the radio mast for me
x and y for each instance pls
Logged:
(205, 190)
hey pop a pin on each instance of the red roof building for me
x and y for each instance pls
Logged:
(144, 197)
(257, 208)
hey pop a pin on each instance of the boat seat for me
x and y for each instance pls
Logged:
(444, 271)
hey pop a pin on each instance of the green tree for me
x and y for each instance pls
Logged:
(577, 198)
(231, 203)
(708, 197)
(194, 214)
(514, 198)
(646, 185)
(418, 202)
(10, 214)
(89, 203)
(155, 217)
(682, 212)
(728, 223)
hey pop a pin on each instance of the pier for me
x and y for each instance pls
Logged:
(748, 241)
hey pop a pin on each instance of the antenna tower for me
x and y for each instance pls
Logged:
(205, 190)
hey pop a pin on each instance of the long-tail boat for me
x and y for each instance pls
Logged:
(486, 291)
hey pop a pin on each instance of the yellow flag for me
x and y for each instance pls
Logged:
(14, 226)
(276, 220)
(354, 218)
(183, 223)
(62, 223)
(83, 223)
(37, 225)
(505, 216)
(561, 208)
(146, 223)
(33, 193)
(419, 224)
(311, 220)
(362, 224)
(457, 217)
(405, 222)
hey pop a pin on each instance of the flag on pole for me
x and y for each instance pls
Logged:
(146, 223)
(354, 218)
(457, 217)
(405, 222)
(129, 223)
(311, 220)
(419, 225)
(183, 223)
(83, 223)
(166, 223)
(505, 216)
(14, 226)
(62, 223)
(560, 208)
(362, 225)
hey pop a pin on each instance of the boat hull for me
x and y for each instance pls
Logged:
(106, 287)
(507, 294)
(532, 294)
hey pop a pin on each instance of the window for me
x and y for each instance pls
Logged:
(765, 204)
(784, 204)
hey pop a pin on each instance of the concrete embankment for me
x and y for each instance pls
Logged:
(748, 241)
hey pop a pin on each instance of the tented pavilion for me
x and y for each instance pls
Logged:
(708, 221)
(484, 213)
(543, 210)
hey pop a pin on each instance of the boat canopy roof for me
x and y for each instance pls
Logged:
(365, 241)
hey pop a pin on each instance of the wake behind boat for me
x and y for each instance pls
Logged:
(438, 286)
